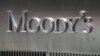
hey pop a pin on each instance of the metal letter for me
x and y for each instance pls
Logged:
(87, 26)
(29, 25)
(73, 22)
(51, 22)
(64, 23)
(13, 25)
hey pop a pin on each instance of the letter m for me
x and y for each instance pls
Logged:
(13, 25)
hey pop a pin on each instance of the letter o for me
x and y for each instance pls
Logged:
(51, 22)
(28, 26)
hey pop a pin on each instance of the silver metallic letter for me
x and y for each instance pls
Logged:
(87, 26)
(13, 25)
(29, 24)
(64, 25)
(73, 23)
(50, 28)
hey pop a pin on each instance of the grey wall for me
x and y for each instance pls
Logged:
(50, 41)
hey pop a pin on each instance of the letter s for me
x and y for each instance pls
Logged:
(87, 26)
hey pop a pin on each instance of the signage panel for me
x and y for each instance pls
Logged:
(54, 26)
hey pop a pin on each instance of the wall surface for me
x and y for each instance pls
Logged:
(77, 42)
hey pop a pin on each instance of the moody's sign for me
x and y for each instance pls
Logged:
(67, 23)
(25, 31)
(51, 27)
